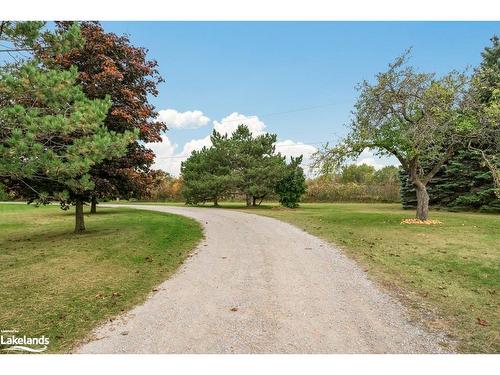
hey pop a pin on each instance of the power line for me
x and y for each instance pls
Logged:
(281, 113)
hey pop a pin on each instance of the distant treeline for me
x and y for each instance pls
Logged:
(355, 183)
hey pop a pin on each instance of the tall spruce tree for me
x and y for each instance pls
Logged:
(484, 108)
(51, 134)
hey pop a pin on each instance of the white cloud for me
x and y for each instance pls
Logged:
(195, 145)
(368, 157)
(230, 123)
(165, 154)
(166, 157)
(290, 148)
(183, 120)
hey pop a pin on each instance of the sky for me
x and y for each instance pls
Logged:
(294, 79)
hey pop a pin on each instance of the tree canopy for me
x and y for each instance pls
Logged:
(109, 65)
(52, 134)
(410, 115)
(239, 164)
(484, 110)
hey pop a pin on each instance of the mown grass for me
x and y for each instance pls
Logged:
(61, 285)
(448, 273)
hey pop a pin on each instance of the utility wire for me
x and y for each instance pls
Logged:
(280, 113)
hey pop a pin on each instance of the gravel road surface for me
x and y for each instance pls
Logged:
(258, 285)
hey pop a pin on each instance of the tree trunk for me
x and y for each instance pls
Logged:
(254, 201)
(249, 200)
(216, 202)
(93, 205)
(79, 222)
(422, 201)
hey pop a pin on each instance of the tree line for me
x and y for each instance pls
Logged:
(241, 164)
(355, 183)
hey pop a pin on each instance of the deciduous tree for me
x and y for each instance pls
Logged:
(51, 134)
(109, 65)
(409, 115)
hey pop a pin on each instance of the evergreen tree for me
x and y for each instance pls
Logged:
(239, 163)
(109, 65)
(51, 134)
(484, 109)
(255, 165)
(207, 173)
(293, 185)
(463, 183)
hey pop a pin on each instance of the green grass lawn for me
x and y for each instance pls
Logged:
(61, 285)
(448, 273)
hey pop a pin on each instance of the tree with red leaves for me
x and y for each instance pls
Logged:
(109, 65)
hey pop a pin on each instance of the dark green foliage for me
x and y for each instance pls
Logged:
(52, 134)
(239, 164)
(254, 164)
(464, 183)
(3, 194)
(293, 185)
(484, 110)
(207, 175)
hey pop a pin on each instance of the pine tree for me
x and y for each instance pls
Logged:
(207, 176)
(109, 65)
(236, 164)
(255, 164)
(51, 134)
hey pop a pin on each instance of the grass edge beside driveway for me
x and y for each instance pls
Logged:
(448, 275)
(62, 285)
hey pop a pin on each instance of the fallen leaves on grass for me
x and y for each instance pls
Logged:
(420, 222)
(482, 322)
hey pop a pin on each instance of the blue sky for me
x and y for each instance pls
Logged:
(298, 78)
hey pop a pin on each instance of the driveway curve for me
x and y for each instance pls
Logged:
(259, 285)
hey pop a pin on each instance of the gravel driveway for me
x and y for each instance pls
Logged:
(258, 285)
